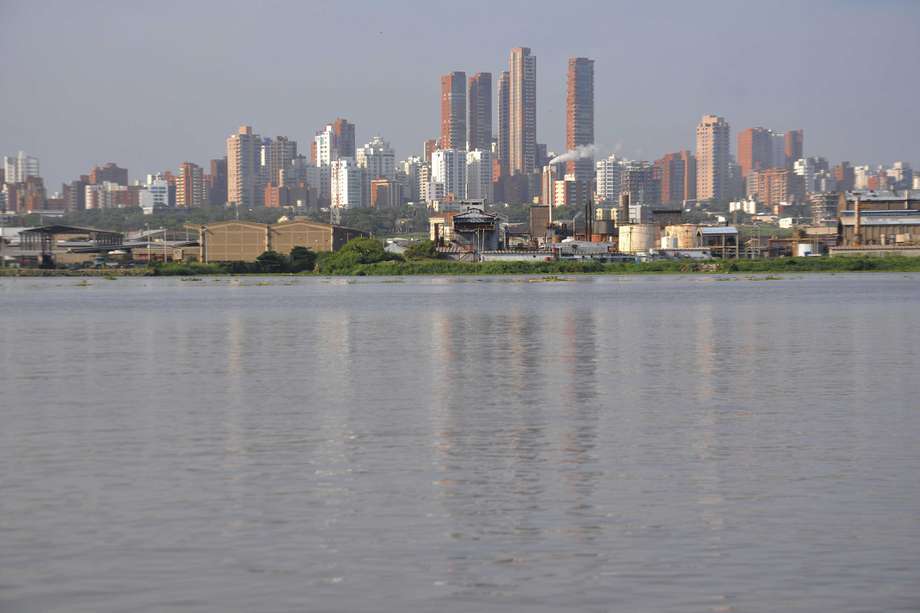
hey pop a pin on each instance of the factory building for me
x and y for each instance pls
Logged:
(244, 241)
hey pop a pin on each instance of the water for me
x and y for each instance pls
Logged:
(609, 444)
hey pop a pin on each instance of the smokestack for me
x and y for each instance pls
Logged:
(857, 225)
(623, 210)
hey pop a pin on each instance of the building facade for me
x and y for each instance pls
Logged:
(244, 162)
(522, 111)
(712, 158)
(579, 117)
(480, 116)
(453, 111)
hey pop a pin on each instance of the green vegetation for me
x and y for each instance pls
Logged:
(422, 250)
(356, 254)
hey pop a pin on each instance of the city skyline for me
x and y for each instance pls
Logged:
(829, 87)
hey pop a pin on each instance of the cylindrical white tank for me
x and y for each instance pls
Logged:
(685, 233)
(636, 238)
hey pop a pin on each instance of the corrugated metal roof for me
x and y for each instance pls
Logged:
(883, 195)
(718, 230)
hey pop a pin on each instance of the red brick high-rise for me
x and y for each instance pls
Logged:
(677, 173)
(453, 111)
(480, 103)
(344, 138)
(795, 146)
(755, 150)
(579, 124)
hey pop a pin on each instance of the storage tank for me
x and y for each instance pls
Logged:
(669, 242)
(638, 237)
(685, 233)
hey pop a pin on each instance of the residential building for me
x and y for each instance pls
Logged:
(277, 154)
(522, 113)
(844, 177)
(378, 159)
(18, 168)
(244, 153)
(110, 172)
(217, 182)
(344, 138)
(794, 146)
(479, 175)
(346, 184)
(755, 150)
(579, 125)
(609, 179)
(190, 186)
(712, 158)
(676, 174)
(448, 168)
(384, 194)
(638, 179)
(453, 111)
(772, 186)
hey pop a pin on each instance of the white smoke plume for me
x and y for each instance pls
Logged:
(583, 151)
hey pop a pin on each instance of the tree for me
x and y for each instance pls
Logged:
(271, 261)
(301, 259)
(421, 250)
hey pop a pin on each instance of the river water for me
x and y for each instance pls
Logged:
(698, 443)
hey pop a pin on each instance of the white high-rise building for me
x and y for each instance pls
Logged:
(377, 159)
(806, 169)
(346, 184)
(20, 167)
(609, 179)
(448, 167)
(479, 175)
(424, 182)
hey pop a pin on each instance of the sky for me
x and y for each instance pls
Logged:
(152, 84)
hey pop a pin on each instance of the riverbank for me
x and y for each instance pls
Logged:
(447, 267)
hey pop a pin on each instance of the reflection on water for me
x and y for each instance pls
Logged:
(667, 444)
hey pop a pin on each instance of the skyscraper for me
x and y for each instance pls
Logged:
(244, 152)
(755, 150)
(677, 175)
(579, 124)
(190, 187)
(277, 154)
(448, 173)
(453, 111)
(794, 146)
(217, 182)
(480, 102)
(504, 123)
(522, 113)
(344, 138)
(712, 158)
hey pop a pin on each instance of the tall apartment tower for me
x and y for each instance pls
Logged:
(344, 138)
(755, 150)
(712, 158)
(579, 116)
(244, 161)
(453, 111)
(190, 186)
(480, 102)
(794, 146)
(504, 123)
(277, 154)
(217, 182)
(676, 173)
(522, 113)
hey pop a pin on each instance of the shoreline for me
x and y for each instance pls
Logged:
(451, 268)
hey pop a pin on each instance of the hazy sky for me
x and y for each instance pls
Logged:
(150, 84)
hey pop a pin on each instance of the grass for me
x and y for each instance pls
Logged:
(398, 268)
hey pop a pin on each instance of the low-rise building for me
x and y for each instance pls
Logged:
(244, 241)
